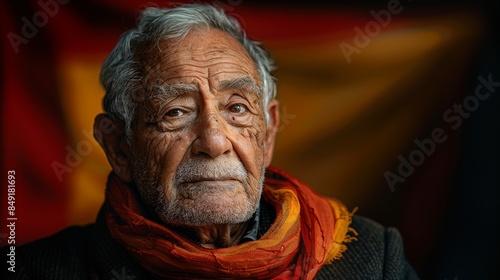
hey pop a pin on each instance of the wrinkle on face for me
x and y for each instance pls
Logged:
(189, 114)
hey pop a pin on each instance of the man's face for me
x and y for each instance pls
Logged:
(198, 148)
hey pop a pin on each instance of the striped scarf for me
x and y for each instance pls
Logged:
(309, 231)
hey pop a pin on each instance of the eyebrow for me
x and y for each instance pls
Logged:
(168, 90)
(239, 83)
(161, 91)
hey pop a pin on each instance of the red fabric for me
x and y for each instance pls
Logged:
(295, 246)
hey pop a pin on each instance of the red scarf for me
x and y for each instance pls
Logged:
(308, 232)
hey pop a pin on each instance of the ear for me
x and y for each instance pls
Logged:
(111, 136)
(273, 109)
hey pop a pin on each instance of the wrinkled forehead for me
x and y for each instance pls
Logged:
(203, 54)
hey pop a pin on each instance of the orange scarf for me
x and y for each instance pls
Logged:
(308, 232)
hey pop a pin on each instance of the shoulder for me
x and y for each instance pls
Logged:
(65, 249)
(376, 254)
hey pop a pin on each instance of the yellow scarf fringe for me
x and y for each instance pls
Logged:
(342, 232)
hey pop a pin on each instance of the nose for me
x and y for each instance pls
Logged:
(212, 140)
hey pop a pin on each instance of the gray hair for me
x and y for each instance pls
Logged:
(122, 72)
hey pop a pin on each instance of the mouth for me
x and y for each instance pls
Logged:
(208, 186)
(209, 180)
(198, 179)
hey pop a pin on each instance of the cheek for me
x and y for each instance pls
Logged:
(249, 145)
(254, 137)
(255, 132)
(163, 153)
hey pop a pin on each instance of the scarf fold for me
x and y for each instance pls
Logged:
(309, 231)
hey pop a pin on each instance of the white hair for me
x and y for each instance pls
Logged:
(122, 72)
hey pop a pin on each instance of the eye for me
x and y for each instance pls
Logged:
(175, 113)
(238, 108)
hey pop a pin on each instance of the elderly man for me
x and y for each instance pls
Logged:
(191, 106)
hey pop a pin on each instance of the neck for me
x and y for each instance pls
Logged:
(216, 236)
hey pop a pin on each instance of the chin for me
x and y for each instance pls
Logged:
(209, 209)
